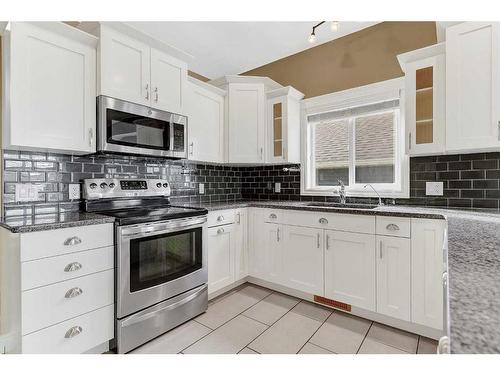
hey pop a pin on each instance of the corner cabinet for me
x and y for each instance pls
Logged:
(205, 111)
(283, 125)
(49, 88)
(132, 70)
(425, 99)
(473, 86)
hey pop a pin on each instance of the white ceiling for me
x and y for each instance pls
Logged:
(222, 48)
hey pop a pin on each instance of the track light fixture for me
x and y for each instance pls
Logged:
(334, 26)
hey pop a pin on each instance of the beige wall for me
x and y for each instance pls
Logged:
(357, 59)
(198, 76)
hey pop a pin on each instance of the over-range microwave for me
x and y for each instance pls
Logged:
(130, 128)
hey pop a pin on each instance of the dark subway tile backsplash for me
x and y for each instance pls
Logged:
(470, 180)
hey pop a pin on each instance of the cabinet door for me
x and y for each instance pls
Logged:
(206, 124)
(425, 105)
(246, 123)
(241, 245)
(220, 257)
(427, 260)
(393, 277)
(168, 82)
(276, 129)
(303, 259)
(125, 67)
(52, 88)
(350, 268)
(472, 86)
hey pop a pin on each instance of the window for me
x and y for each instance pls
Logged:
(359, 142)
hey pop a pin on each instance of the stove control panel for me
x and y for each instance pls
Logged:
(98, 188)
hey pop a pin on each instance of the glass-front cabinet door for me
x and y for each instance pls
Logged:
(425, 100)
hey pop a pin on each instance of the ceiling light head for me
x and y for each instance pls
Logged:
(312, 38)
(334, 25)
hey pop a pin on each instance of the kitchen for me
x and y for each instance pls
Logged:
(326, 196)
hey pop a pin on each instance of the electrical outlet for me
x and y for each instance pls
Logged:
(201, 188)
(277, 187)
(434, 188)
(74, 191)
(26, 193)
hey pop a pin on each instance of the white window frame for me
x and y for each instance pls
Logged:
(356, 97)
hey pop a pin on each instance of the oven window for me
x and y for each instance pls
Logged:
(157, 259)
(137, 131)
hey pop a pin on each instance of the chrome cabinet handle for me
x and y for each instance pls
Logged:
(317, 241)
(147, 91)
(156, 94)
(239, 218)
(191, 148)
(72, 241)
(327, 242)
(323, 221)
(220, 218)
(392, 227)
(91, 136)
(380, 249)
(261, 153)
(73, 331)
(278, 234)
(75, 266)
(73, 292)
(220, 230)
(273, 216)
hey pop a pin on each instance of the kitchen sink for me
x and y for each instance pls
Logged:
(360, 206)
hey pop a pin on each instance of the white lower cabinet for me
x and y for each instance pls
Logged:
(303, 259)
(427, 272)
(350, 268)
(266, 259)
(220, 257)
(393, 277)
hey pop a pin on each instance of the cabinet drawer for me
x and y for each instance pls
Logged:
(393, 226)
(326, 220)
(97, 327)
(48, 243)
(40, 272)
(49, 305)
(221, 217)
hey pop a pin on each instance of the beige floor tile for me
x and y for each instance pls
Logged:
(370, 346)
(271, 308)
(227, 308)
(287, 335)
(394, 337)
(248, 351)
(175, 340)
(427, 346)
(228, 339)
(312, 311)
(341, 333)
(313, 349)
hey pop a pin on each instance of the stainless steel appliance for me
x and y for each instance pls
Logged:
(129, 128)
(161, 259)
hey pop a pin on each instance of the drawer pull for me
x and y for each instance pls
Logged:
(75, 266)
(220, 218)
(73, 292)
(392, 227)
(220, 230)
(323, 221)
(73, 241)
(273, 216)
(73, 331)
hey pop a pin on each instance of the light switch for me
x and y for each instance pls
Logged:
(434, 188)
(201, 188)
(26, 192)
(277, 187)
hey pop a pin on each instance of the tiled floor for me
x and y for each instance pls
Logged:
(255, 320)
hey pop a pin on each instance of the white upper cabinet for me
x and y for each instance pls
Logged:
(425, 102)
(472, 86)
(283, 125)
(205, 111)
(132, 70)
(49, 88)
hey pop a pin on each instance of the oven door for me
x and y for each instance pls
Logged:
(158, 261)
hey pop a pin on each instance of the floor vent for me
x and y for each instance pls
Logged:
(332, 303)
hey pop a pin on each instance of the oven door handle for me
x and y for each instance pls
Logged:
(150, 313)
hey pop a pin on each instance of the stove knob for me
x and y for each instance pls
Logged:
(103, 185)
(158, 185)
(165, 185)
(112, 185)
(93, 185)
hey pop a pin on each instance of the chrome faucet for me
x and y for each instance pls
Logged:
(380, 203)
(341, 191)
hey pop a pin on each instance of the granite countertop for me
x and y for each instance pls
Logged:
(56, 221)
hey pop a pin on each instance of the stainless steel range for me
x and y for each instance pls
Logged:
(161, 260)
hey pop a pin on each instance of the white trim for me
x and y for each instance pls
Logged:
(208, 86)
(266, 81)
(359, 96)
